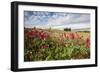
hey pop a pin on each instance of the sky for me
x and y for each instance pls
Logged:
(56, 20)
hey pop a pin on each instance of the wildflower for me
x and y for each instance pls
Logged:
(37, 34)
(66, 36)
(87, 42)
(30, 34)
(44, 46)
(72, 35)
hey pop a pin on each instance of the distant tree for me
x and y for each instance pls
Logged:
(67, 29)
(34, 27)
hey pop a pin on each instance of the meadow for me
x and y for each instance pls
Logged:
(52, 44)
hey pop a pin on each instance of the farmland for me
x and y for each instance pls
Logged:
(52, 44)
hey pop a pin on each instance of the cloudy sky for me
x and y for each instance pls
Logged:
(57, 20)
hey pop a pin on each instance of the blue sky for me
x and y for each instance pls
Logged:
(60, 20)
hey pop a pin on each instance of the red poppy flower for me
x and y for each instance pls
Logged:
(87, 42)
(72, 35)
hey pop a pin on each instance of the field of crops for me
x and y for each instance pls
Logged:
(50, 44)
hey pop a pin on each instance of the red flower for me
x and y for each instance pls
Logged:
(44, 46)
(72, 35)
(66, 36)
(37, 34)
(30, 34)
(43, 36)
(87, 42)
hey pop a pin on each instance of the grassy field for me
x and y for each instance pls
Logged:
(50, 44)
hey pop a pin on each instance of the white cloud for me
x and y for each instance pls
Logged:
(70, 19)
(61, 20)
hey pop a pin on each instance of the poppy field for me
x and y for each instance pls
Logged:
(52, 44)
